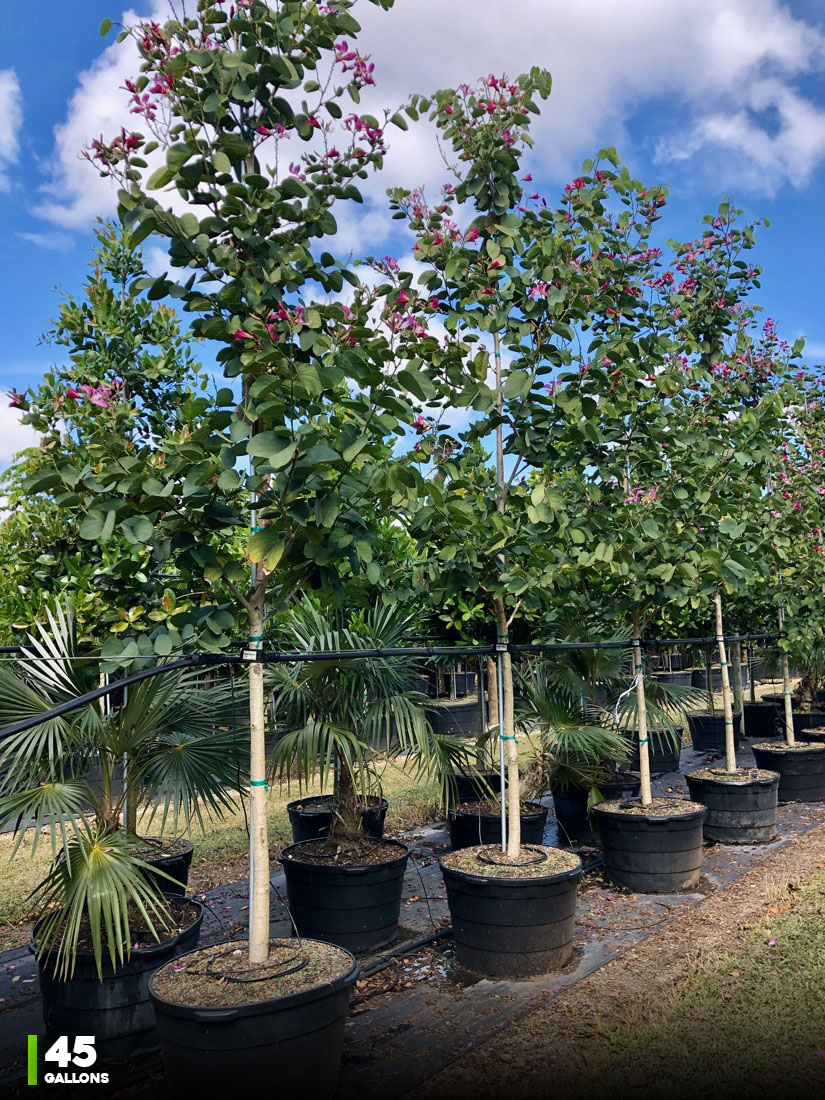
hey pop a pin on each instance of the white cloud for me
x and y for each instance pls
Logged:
(58, 242)
(611, 60)
(14, 436)
(11, 119)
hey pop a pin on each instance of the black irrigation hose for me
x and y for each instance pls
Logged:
(408, 948)
(277, 657)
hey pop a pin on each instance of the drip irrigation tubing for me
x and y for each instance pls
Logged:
(251, 656)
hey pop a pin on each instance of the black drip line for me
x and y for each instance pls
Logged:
(196, 660)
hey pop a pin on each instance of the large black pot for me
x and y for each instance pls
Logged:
(509, 927)
(738, 812)
(175, 865)
(311, 818)
(707, 730)
(475, 788)
(454, 718)
(651, 854)
(678, 676)
(118, 1007)
(353, 907)
(570, 804)
(699, 678)
(663, 750)
(816, 735)
(231, 1050)
(469, 828)
(801, 771)
(759, 720)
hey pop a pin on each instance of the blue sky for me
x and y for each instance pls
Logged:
(711, 97)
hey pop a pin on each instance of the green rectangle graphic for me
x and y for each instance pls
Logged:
(32, 1060)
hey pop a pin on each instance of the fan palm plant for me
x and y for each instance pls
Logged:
(168, 747)
(580, 704)
(335, 715)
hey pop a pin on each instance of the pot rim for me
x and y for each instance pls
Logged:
(341, 867)
(726, 781)
(537, 812)
(229, 1013)
(782, 746)
(496, 880)
(654, 818)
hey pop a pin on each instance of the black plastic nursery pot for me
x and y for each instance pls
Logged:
(815, 735)
(699, 678)
(454, 718)
(707, 730)
(741, 808)
(355, 907)
(759, 719)
(470, 827)
(651, 853)
(680, 676)
(475, 788)
(570, 805)
(801, 769)
(298, 1038)
(118, 1007)
(177, 866)
(311, 818)
(512, 927)
(663, 749)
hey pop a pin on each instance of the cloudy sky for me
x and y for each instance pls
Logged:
(710, 97)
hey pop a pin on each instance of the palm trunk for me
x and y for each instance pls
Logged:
(641, 709)
(727, 704)
(786, 684)
(258, 836)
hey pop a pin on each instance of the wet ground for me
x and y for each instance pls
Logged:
(419, 1013)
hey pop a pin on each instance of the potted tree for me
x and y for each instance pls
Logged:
(112, 906)
(793, 522)
(295, 440)
(654, 843)
(512, 905)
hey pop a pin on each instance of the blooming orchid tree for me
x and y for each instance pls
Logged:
(251, 112)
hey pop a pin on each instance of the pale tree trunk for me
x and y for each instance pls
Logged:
(736, 669)
(641, 709)
(786, 685)
(507, 728)
(727, 701)
(258, 835)
(508, 732)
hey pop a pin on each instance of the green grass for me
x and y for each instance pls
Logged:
(753, 1020)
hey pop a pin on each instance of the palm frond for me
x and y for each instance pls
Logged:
(97, 879)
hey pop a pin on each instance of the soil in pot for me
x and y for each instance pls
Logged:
(226, 1027)
(116, 1009)
(570, 805)
(512, 919)
(801, 768)
(172, 856)
(759, 719)
(813, 734)
(348, 893)
(474, 823)
(311, 818)
(654, 849)
(707, 730)
(741, 806)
